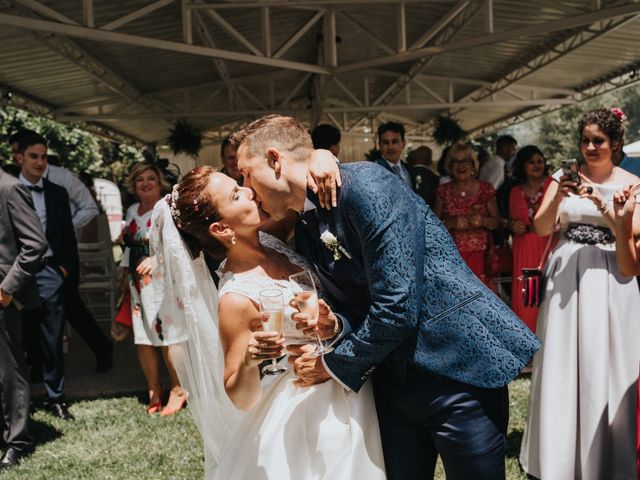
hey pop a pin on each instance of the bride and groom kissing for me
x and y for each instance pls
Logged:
(439, 347)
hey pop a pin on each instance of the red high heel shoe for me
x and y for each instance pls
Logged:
(166, 411)
(157, 406)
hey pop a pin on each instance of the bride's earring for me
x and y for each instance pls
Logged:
(234, 240)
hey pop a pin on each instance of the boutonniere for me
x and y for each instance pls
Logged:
(331, 242)
(418, 181)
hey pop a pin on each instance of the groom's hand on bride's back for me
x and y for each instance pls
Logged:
(327, 326)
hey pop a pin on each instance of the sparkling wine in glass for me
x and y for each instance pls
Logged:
(271, 302)
(306, 297)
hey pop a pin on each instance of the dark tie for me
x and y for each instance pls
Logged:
(396, 169)
(35, 188)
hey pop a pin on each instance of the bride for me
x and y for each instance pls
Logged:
(252, 428)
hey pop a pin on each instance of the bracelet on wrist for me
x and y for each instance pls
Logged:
(603, 208)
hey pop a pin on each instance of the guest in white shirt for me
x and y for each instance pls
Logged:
(493, 170)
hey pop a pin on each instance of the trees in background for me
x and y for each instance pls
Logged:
(77, 150)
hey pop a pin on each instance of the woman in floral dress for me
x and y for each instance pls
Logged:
(152, 334)
(467, 207)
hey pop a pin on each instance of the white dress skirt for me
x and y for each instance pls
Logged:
(296, 433)
(582, 410)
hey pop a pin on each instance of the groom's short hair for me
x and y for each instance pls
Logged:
(286, 133)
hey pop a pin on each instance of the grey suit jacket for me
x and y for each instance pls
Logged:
(22, 241)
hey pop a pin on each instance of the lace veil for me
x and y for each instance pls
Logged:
(190, 305)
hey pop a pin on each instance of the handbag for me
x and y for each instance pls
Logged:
(122, 324)
(532, 280)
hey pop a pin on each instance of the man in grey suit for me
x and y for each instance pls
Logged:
(22, 246)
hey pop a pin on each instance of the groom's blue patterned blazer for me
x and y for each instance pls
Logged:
(406, 293)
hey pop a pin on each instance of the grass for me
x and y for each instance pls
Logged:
(114, 438)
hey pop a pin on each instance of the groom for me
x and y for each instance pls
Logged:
(442, 345)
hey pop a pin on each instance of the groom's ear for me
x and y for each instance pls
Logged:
(274, 159)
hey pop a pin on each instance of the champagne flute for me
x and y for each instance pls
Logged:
(271, 302)
(306, 297)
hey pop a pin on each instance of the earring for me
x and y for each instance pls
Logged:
(233, 239)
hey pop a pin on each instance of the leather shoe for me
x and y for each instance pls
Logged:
(60, 410)
(12, 457)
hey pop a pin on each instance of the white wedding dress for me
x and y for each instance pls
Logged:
(319, 432)
(582, 409)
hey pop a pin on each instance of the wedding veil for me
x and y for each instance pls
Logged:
(189, 305)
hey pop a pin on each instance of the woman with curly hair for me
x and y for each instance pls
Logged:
(583, 397)
(532, 174)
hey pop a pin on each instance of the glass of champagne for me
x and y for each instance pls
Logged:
(306, 297)
(271, 302)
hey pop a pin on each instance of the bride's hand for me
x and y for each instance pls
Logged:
(327, 326)
(264, 346)
(309, 369)
(324, 178)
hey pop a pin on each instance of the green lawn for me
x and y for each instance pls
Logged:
(114, 438)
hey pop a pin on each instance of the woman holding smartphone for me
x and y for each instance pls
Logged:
(583, 399)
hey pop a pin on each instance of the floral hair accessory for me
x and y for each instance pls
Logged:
(173, 204)
(619, 113)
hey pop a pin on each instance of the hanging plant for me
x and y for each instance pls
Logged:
(448, 131)
(185, 138)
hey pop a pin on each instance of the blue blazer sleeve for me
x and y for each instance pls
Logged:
(382, 222)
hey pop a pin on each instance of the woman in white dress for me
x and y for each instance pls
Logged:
(288, 432)
(583, 398)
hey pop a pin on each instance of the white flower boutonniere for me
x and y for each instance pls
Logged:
(418, 181)
(331, 242)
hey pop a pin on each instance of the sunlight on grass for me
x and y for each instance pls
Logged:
(114, 438)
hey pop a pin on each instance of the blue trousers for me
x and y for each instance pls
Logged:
(49, 319)
(429, 415)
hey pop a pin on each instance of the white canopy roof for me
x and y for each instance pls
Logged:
(129, 68)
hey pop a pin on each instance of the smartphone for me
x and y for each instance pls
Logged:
(571, 169)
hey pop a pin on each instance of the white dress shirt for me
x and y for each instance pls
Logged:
(83, 207)
(38, 203)
(493, 171)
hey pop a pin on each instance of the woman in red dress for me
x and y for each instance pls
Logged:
(531, 171)
(468, 208)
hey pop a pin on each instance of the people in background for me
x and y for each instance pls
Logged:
(531, 173)
(84, 211)
(22, 246)
(493, 170)
(229, 160)
(425, 181)
(60, 262)
(583, 387)
(152, 334)
(391, 143)
(327, 137)
(467, 207)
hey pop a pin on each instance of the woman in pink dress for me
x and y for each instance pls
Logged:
(468, 208)
(531, 171)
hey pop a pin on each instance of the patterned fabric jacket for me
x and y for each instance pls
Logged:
(407, 294)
